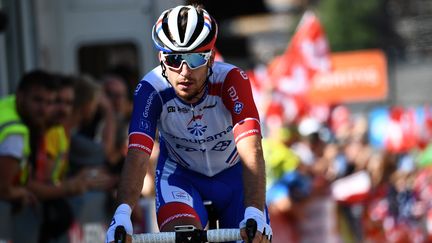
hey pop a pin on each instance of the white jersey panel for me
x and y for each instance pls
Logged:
(197, 136)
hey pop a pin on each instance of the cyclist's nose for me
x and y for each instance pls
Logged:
(185, 69)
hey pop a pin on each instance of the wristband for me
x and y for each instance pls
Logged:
(124, 209)
(252, 212)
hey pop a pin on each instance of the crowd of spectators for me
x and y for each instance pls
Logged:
(62, 143)
(377, 195)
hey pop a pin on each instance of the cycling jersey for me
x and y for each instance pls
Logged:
(201, 136)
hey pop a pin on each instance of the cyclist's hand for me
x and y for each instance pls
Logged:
(121, 217)
(264, 232)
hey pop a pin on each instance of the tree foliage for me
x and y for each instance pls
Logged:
(352, 25)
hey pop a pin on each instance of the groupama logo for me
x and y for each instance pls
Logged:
(195, 127)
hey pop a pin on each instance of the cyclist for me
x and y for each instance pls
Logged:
(209, 133)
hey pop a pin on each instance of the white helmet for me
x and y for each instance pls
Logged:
(185, 29)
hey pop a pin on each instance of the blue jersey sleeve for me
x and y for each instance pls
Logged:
(147, 107)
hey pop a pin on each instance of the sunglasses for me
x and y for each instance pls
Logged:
(193, 60)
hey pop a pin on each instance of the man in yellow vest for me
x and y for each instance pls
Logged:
(28, 110)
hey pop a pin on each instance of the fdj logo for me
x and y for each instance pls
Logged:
(222, 145)
(197, 128)
(238, 107)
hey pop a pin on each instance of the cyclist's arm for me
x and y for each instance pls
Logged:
(132, 177)
(142, 130)
(250, 151)
(251, 154)
(237, 97)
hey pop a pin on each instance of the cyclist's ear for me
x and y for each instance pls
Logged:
(160, 55)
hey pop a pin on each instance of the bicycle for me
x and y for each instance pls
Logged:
(188, 233)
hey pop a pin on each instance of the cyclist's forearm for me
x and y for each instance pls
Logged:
(254, 188)
(250, 151)
(132, 177)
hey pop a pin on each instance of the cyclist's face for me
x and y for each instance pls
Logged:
(189, 83)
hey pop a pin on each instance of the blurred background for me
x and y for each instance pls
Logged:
(343, 88)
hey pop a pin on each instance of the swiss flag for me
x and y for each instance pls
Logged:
(306, 54)
(291, 73)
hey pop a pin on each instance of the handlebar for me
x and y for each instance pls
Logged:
(188, 233)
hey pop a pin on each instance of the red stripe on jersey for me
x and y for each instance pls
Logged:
(237, 96)
(141, 141)
(246, 128)
(175, 210)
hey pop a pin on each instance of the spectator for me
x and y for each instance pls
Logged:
(87, 151)
(116, 91)
(50, 183)
(89, 155)
(22, 113)
(100, 135)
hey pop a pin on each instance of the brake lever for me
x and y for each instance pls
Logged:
(251, 228)
(120, 234)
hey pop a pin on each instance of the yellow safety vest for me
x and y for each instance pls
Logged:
(11, 124)
(57, 147)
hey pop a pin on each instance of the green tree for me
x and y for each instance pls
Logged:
(352, 25)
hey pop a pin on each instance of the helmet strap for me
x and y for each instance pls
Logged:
(164, 71)
(210, 72)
